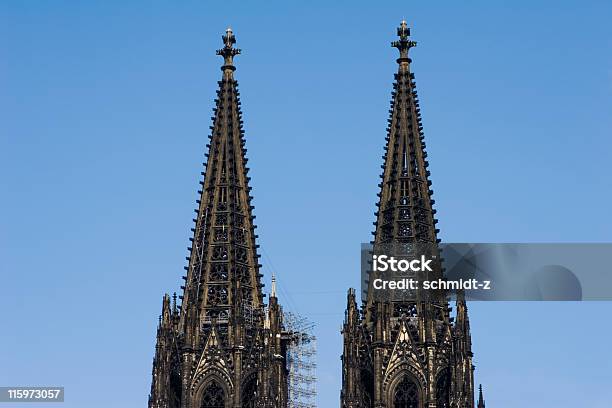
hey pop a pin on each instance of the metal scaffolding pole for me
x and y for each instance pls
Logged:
(301, 361)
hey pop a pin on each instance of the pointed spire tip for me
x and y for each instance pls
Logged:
(404, 43)
(228, 52)
(273, 290)
(481, 402)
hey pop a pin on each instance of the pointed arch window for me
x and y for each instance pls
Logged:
(367, 383)
(417, 170)
(249, 393)
(404, 192)
(213, 397)
(443, 389)
(417, 189)
(406, 394)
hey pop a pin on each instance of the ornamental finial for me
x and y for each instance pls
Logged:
(228, 51)
(273, 292)
(404, 43)
(481, 402)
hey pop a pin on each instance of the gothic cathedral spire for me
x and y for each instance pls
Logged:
(404, 354)
(223, 270)
(223, 346)
(405, 208)
(481, 401)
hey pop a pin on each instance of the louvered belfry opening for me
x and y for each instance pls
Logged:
(406, 394)
(214, 396)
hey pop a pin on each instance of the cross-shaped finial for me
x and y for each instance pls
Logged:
(228, 51)
(229, 39)
(404, 43)
(403, 31)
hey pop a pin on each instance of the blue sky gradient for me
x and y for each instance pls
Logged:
(106, 108)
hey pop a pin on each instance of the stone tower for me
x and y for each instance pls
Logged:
(223, 347)
(401, 354)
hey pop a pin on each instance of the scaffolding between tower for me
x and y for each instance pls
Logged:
(301, 361)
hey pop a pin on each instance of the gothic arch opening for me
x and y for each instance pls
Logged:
(406, 394)
(367, 386)
(213, 396)
(249, 393)
(175, 382)
(443, 389)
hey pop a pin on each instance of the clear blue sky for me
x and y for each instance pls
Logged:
(105, 113)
